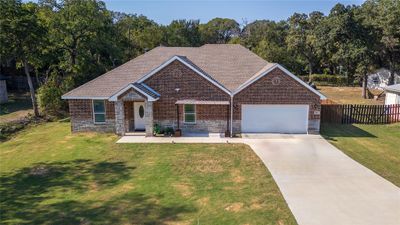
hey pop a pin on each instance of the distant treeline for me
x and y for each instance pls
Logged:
(70, 42)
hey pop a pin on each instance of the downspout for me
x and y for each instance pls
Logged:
(231, 116)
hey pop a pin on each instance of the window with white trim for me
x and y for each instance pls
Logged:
(189, 113)
(99, 111)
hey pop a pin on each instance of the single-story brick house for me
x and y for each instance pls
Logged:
(221, 88)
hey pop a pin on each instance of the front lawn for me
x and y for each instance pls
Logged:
(375, 146)
(49, 176)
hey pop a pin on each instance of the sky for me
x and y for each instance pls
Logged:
(164, 11)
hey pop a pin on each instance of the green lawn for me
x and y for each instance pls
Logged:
(375, 146)
(49, 176)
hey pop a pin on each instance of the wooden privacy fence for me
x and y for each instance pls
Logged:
(366, 114)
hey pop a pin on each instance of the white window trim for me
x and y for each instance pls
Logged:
(184, 114)
(94, 118)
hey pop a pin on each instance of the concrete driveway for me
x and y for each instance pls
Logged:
(323, 186)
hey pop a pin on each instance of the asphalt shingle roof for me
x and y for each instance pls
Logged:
(228, 64)
(393, 88)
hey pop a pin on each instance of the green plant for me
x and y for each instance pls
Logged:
(169, 131)
(49, 99)
(157, 129)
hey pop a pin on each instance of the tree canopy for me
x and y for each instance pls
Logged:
(68, 42)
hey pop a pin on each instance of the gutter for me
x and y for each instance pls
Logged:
(231, 116)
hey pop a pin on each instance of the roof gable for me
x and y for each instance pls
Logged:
(190, 65)
(266, 70)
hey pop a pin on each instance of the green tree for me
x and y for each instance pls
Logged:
(137, 34)
(219, 31)
(383, 18)
(301, 38)
(21, 37)
(183, 33)
(82, 31)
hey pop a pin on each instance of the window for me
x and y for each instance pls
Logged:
(189, 113)
(99, 111)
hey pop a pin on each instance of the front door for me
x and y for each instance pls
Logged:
(138, 108)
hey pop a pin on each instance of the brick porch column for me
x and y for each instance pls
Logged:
(119, 117)
(148, 117)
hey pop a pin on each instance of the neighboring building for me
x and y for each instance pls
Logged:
(392, 94)
(3, 90)
(212, 88)
(380, 79)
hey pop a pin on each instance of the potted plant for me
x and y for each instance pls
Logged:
(178, 132)
(158, 131)
(169, 131)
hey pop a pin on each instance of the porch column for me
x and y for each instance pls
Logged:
(119, 117)
(148, 118)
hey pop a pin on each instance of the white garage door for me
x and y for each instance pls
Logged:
(274, 118)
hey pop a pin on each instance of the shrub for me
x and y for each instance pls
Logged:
(169, 131)
(157, 129)
(49, 99)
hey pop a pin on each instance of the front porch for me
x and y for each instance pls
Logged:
(134, 116)
(134, 110)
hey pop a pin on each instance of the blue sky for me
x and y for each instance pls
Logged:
(164, 11)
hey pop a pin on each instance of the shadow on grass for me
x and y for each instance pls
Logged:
(33, 195)
(332, 131)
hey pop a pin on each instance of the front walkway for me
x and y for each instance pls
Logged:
(320, 183)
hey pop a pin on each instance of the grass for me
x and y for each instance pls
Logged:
(374, 146)
(50, 176)
(18, 106)
(348, 95)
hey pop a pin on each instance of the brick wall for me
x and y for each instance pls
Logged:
(81, 112)
(192, 86)
(277, 88)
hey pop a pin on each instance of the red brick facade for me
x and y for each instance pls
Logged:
(191, 86)
(83, 109)
(276, 88)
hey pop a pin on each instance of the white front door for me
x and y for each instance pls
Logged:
(138, 108)
(274, 118)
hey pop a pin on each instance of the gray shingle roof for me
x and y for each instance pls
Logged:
(228, 64)
(147, 90)
(393, 88)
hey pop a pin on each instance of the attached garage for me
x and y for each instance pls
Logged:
(274, 118)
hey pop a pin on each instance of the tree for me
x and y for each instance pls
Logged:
(219, 31)
(183, 33)
(21, 37)
(383, 17)
(302, 37)
(137, 34)
(83, 32)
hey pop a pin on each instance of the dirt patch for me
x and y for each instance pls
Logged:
(256, 205)
(236, 176)
(203, 201)
(235, 207)
(177, 222)
(208, 166)
(184, 189)
(93, 186)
